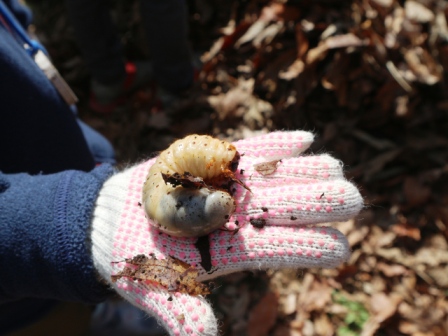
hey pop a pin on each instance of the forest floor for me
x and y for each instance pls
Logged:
(369, 78)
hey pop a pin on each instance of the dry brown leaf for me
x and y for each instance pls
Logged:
(379, 238)
(383, 307)
(293, 70)
(262, 317)
(260, 29)
(323, 326)
(391, 270)
(439, 274)
(333, 42)
(423, 66)
(358, 235)
(171, 273)
(268, 34)
(317, 53)
(403, 230)
(408, 327)
(416, 11)
(213, 51)
(255, 29)
(266, 168)
(239, 102)
(314, 296)
(290, 303)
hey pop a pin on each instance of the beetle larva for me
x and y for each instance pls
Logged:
(186, 193)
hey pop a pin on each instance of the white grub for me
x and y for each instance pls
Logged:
(192, 212)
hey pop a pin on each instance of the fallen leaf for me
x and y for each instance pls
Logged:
(266, 168)
(262, 317)
(333, 42)
(391, 270)
(323, 326)
(418, 12)
(383, 307)
(423, 66)
(439, 274)
(171, 273)
(404, 230)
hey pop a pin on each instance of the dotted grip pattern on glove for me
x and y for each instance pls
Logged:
(303, 190)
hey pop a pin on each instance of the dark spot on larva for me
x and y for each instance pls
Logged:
(205, 144)
(264, 209)
(178, 205)
(242, 171)
(293, 218)
(237, 223)
(170, 298)
(139, 204)
(258, 223)
(229, 248)
(157, 186)
(322, 195)
(226, 216)
(194, 142)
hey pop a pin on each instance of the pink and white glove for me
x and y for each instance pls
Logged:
(304, 190)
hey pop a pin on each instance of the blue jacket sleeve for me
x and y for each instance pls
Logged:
(44, 236)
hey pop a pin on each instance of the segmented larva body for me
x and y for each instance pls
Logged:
(191, 211)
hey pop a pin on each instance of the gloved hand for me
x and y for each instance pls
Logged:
(304, 190)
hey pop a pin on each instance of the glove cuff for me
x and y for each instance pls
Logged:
(109, 208)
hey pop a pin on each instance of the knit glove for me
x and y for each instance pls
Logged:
(303, 190)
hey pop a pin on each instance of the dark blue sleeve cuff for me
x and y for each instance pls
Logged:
(44, 236)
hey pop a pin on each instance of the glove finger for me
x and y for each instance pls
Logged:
(275, 145)
(322, 202)
(298, 170)
(178, 313)
(276, 248)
